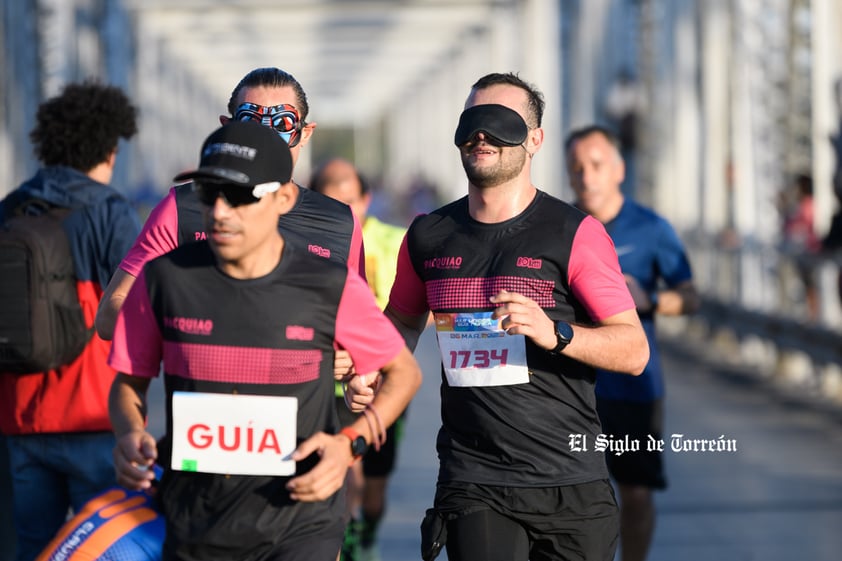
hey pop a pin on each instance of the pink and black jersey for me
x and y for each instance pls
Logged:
(267, 336)
(518, 433)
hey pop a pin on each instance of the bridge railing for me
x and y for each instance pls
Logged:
(756, 311)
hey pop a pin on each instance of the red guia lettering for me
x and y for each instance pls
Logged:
(233, 439)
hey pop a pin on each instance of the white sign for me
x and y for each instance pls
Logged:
(475, 351)
(234, 434)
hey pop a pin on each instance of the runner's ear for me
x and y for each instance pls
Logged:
(285, 197)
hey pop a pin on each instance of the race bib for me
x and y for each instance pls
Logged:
(233, 434)
(475, 351)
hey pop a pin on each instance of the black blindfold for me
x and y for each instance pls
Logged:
(502, 125)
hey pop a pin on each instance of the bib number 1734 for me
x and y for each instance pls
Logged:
(478, 358)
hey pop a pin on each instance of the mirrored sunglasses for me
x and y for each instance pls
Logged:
(283, 118)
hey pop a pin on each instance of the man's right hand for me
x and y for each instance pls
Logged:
(360, 390)
(134, 455)
(343, 366)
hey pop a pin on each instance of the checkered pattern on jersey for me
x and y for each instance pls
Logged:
(444, 294)
(247, 365)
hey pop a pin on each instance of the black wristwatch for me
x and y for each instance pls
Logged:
(563, 336)
(358, 444)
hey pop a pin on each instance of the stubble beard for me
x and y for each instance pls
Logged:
(506, 169)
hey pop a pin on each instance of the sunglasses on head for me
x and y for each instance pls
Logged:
(233, 195)
(284, 119)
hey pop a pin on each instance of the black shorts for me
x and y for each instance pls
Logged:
(382, 463)
(492, 523)
(639, 420)
(277, 529)
(323, 546)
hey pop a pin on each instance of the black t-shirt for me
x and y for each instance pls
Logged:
(518, 434)
(244, 354)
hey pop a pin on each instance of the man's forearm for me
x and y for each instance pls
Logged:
(106, 317)
(401, 379)
(127, 405)
(112, 300)
(619, 344)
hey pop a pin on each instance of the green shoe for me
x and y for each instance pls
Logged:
(351, 549)
(368, 540)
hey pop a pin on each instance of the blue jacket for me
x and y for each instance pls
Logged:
(101, 228)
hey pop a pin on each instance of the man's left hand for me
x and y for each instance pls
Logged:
(523, 316)
(328, 475)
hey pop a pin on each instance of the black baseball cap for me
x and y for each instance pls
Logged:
(505, 126)
(243, 153)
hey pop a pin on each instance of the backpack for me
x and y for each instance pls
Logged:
(115, 525)
(41, 322)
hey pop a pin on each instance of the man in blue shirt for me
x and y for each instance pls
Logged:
(658, 274)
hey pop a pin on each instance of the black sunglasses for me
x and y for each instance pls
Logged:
(233, 195)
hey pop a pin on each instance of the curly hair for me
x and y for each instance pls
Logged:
(271, 77)
(534, 96)
(82, 126)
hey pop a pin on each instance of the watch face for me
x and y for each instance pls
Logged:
(564, 331)
(358, 446)
(563, 335)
